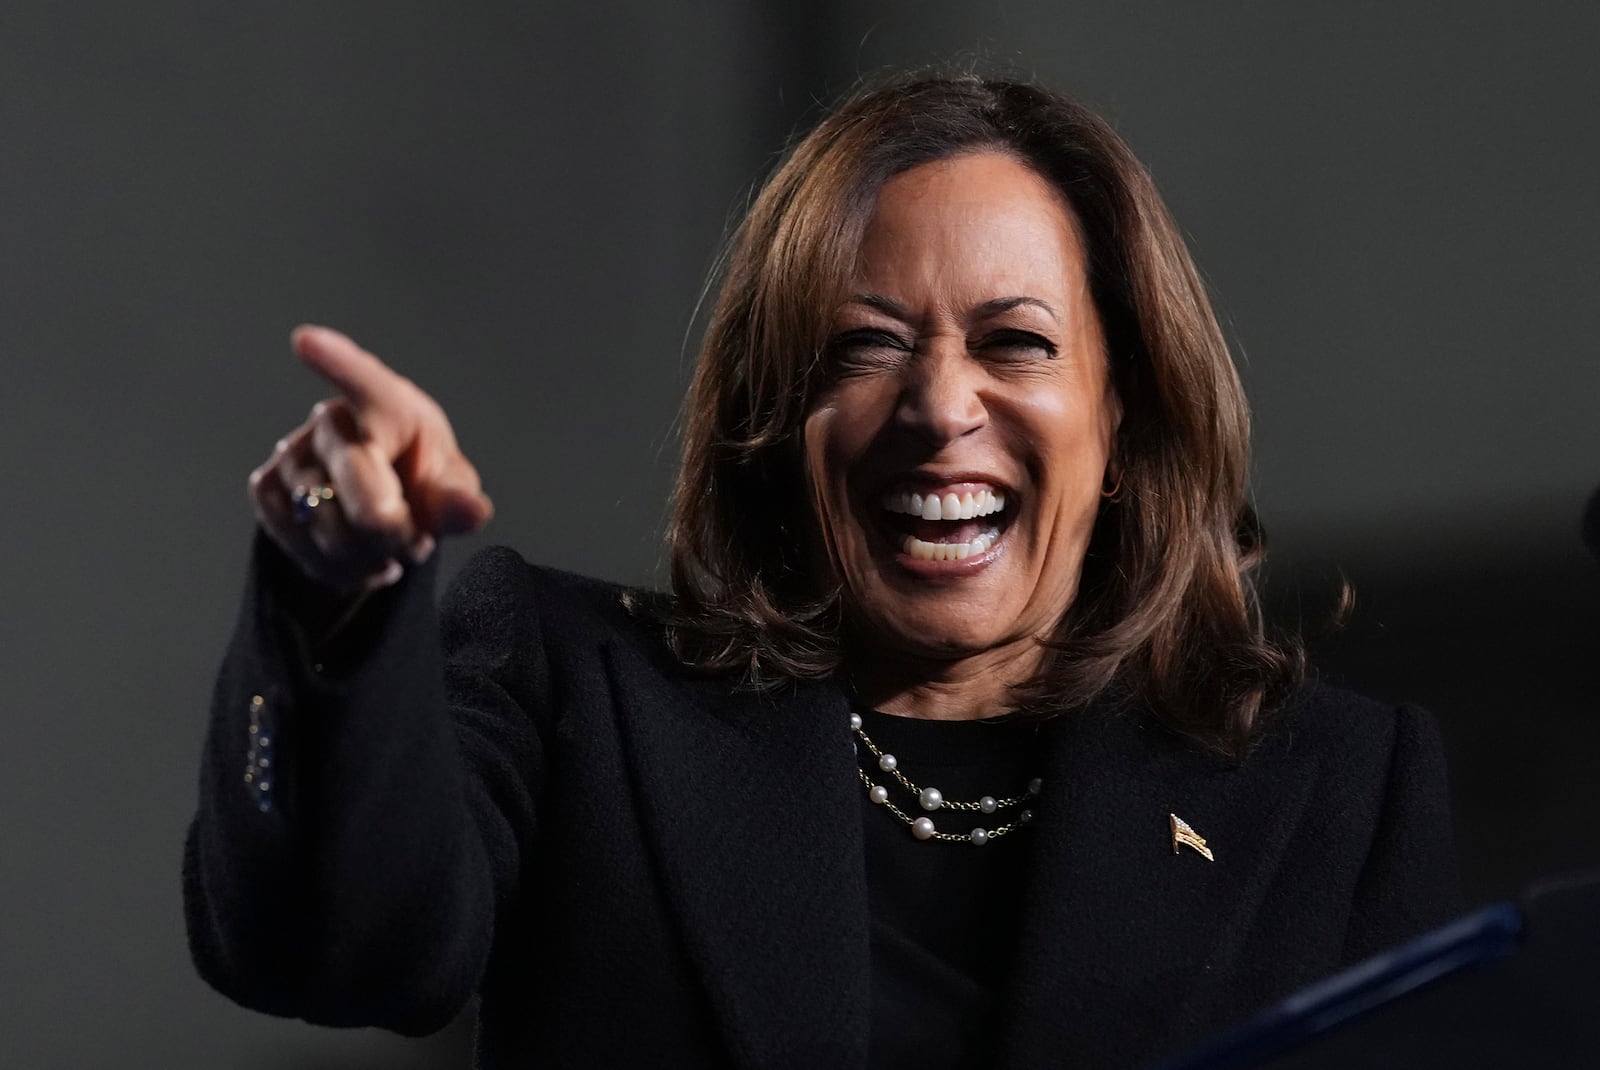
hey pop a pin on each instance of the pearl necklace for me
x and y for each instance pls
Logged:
(931, 799)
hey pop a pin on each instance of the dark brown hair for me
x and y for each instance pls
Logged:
(1167, 612)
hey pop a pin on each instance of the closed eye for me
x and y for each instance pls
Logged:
(1017, 342)
(867, 347)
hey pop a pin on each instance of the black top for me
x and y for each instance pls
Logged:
(944, 915)
(523, 796)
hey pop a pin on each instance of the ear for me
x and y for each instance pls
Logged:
(1113, 403)
(1112, 476)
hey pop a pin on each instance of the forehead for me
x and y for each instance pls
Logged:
(971, 224)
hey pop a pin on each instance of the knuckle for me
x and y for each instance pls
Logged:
(376, 517)
(258, 476)
(325, 409)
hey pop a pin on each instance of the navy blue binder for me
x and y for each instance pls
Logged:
(1512, 984)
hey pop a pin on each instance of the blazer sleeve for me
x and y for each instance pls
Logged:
(365, 809)
(1410, 881)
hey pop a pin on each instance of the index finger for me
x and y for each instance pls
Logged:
(365, 381)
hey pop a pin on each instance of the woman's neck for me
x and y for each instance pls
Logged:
(978, 685)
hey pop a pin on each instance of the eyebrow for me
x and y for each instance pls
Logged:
(1006, 304)
(889, 306)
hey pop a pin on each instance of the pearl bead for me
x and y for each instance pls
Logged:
(1034, 785)
(931, 799)
(887, 763)
(922, 828)
(1025, 816)
(979, 837)
(855, 721)
(878, 794)
(988, 804)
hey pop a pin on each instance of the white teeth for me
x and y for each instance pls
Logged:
(949, 551)
(949, 506)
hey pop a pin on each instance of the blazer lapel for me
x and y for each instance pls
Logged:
(1121, 936)
(753, 808)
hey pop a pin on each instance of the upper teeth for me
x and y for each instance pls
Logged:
(949, 506)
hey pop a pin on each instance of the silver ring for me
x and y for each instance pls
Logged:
(308, 499)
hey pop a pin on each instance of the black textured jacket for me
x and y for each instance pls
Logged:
(521, 795)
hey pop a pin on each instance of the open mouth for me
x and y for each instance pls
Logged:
(949, 523)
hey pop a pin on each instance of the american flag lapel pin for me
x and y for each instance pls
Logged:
(1184, 836)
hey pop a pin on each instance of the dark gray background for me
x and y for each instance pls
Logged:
(517, 204)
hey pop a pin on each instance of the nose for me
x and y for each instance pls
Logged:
(940, 400)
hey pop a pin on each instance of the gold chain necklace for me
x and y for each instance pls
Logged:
(932, 800)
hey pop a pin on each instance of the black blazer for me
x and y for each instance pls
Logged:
(635, 865)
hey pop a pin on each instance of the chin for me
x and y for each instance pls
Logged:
(923, 624)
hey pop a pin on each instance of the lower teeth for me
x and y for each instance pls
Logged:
(949, 551)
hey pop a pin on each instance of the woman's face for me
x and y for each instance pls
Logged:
(956, 456)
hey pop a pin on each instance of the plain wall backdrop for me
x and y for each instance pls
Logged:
(518, 206)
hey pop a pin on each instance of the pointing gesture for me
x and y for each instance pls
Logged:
(371, 479)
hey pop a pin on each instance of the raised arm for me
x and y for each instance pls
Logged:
(366, 797)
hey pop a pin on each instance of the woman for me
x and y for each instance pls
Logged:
(963, 485)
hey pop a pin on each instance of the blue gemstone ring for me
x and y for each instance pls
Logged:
(308, 499)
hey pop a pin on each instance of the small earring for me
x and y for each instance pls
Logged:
(1111, 495)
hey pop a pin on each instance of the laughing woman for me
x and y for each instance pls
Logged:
(958, 741)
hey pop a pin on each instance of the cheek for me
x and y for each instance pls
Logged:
(837, 433)
(1068, 443)
(1064, 438)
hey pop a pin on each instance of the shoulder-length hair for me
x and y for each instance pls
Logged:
(1167, 612)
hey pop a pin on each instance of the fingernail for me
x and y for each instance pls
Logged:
(422, 549)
